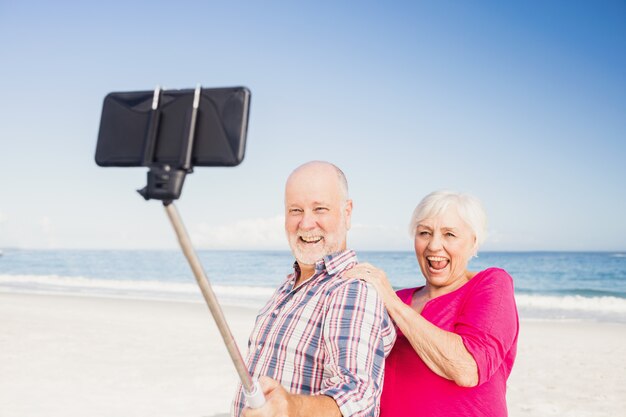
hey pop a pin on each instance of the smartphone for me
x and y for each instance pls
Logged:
(134, 132)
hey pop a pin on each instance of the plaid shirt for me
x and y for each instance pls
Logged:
(329, 336)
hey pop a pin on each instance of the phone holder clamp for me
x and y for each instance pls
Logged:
(165, 182)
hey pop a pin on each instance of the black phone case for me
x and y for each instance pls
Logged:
(128, 122)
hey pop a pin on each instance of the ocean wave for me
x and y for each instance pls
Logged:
(602, 304)
(581, 292)
(257, 295)
(54, 284)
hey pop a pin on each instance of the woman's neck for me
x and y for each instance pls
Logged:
(432, 291)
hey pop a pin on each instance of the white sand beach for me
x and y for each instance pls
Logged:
(75, 356)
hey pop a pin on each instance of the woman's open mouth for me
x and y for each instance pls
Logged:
(437, 262)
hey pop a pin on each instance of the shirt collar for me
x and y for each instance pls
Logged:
(338, 261)
(333, 263)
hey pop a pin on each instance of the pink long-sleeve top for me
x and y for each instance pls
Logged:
(484, 314)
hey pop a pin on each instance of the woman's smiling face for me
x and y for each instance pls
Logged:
(443, 246)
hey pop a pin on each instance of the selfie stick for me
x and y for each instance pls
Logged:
(252, 390)
(165, 183)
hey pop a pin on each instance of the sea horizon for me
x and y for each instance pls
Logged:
(16, 248)
(548, 284)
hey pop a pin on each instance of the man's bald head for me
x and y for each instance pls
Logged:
(321, 168)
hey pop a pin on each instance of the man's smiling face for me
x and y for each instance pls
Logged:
(317, 213)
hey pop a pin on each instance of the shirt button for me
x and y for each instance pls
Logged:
(275, 312)
(259, 346)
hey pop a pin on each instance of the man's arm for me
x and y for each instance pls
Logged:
(280, 403)
(357, 336)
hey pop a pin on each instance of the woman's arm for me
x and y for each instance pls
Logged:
(442, 351)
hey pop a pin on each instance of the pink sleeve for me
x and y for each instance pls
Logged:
(488, 322)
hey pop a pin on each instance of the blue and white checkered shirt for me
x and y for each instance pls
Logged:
(329, 336)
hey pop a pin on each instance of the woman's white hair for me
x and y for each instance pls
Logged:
(468, 207)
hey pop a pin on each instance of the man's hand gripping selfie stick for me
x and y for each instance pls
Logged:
(165, 183)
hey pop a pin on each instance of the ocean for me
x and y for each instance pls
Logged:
(548, 285)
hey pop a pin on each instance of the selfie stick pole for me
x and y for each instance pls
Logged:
(252, 390)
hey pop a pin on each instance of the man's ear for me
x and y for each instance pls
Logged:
(348, 213)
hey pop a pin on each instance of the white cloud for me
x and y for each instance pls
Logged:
(258, 233)
(46, 224)
(48, 231)
(378, 237)
(268, 233)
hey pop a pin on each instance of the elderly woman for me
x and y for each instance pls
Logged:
(457, 335)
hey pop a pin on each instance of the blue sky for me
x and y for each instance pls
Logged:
(520, 104)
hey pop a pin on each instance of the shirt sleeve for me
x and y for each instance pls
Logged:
(488, 323)
(358, 335)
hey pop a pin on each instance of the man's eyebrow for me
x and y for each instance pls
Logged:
(313, 204)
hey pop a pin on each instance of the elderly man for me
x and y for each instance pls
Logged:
(319, 344)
